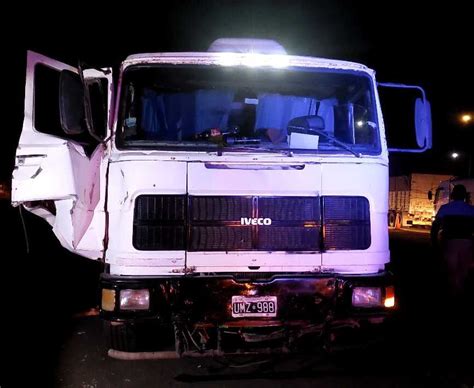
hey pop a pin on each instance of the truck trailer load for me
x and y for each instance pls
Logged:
(237, 197)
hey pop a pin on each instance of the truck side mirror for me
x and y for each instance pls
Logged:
(430, 195)
(423, 128)
(71, 103)
(423, 123)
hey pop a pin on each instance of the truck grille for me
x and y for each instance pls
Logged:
(220, 238)
(346, 223)
(213, 223)
(216, 223)
(159, 222)
(219, 208)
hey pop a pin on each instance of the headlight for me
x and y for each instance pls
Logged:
(367, 297)
(134, 299)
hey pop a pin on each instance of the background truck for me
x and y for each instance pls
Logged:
(442, 193)
(408, 201)
(237, 197)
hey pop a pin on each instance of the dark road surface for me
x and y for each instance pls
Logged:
(48, 343)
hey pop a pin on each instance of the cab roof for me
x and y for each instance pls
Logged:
(235, 59)
(243, 51)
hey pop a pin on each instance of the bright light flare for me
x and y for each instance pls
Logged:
(389, 302)
(455, 155)
(253, 60)
(279, 61)
(360, 123)
(466, 118)
(228, 59)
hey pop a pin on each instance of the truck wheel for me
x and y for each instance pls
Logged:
(391, 219)
(120, 336)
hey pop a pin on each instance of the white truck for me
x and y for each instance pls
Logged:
(442, 194)
(408, 203)
(237, 197)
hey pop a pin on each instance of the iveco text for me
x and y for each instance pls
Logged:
(255, 221)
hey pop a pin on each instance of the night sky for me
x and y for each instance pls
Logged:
(426, 44)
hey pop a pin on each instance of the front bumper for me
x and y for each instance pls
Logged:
(195, 312)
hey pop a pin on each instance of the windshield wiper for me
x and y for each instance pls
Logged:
(330, 137)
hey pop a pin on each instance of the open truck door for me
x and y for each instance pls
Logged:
(60, 167)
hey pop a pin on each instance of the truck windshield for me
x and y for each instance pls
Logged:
(248, 109)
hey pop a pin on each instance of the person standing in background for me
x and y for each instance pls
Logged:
(452, 231)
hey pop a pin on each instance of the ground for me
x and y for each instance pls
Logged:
(56, 339)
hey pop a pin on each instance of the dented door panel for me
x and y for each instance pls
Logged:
(57, 171)
(41, 173)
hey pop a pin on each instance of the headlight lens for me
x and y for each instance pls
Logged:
(367, 297)
(134, 299)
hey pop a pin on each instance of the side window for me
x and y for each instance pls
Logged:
(364, 121)
(46, 100)
(99, 103)
(47, 118)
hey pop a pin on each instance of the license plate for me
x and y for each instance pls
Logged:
(258, 306)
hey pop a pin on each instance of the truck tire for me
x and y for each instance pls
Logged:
(391, 219)
(120, 336)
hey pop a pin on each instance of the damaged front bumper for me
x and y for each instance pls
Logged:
(197, 315)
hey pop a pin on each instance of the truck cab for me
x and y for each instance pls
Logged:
(442, 194)
(237, 197)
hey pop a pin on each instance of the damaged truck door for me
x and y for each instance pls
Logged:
(59, 168)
